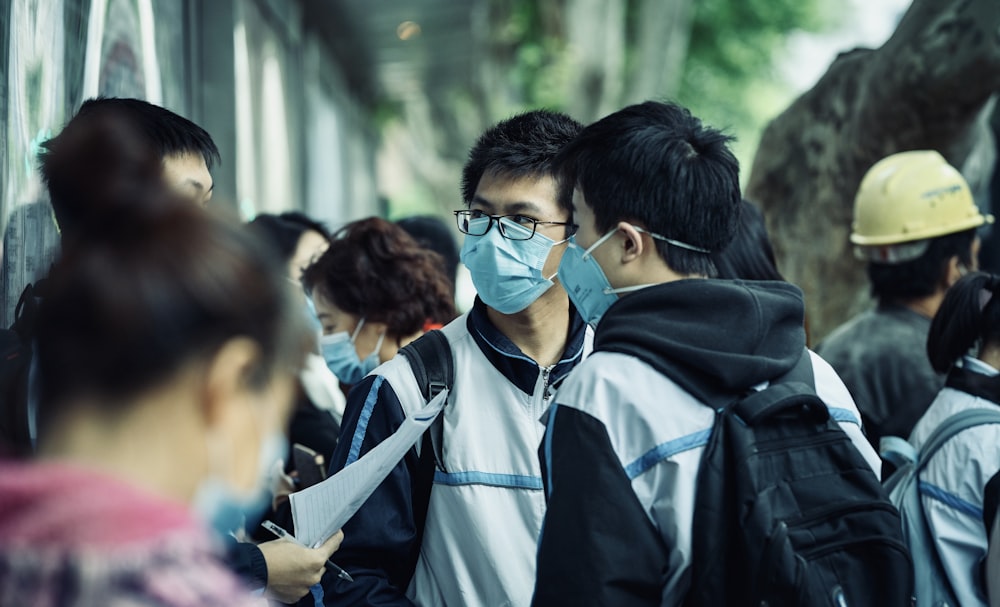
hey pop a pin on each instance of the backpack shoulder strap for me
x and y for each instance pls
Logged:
(963, 420)
(432, 363)
(795, 390)
(802, 372)
(434, 369)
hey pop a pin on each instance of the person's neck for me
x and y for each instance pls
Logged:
(132, 447)
(925, 306)
(540, 330)
(990, 354)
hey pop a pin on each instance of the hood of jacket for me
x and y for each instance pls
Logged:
(715, 338)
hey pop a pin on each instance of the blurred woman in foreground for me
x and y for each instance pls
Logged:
(161, 391)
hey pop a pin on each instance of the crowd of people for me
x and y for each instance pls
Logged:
(175, 365)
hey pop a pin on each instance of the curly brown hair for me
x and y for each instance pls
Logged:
(376, 270)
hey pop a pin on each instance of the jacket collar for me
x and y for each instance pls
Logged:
(975, 383)
(514, 364)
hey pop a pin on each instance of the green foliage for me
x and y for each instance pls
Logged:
(729, 77)
(539, 53)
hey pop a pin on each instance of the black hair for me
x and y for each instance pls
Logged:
(749, 256)
(969, 315)
(282, 232)
(522, 146)
(433, 233)
(89, 147)
(920, 277)
(306, 222)
(658, 166)
(154, 284)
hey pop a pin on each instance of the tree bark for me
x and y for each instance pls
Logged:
(926, 88)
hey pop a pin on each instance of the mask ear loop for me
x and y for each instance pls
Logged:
(587, 253)
(357, 329)
(555, 244)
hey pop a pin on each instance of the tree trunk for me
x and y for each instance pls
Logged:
(663, 31)
(926, 88)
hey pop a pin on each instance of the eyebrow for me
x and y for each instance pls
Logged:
(199, 185)
(512, 209)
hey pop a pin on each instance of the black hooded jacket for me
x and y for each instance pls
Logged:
(715, 339)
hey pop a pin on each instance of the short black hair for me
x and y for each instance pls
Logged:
(280, 235)
(99, 124)
(920, 277)
(522, 146)
(306, 222)
(656, 165)
(749, 256)
(167, 132)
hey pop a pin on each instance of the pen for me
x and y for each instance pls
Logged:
(281, 533)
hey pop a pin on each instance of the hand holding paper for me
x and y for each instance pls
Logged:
(319, 511)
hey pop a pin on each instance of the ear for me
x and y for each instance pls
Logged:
(226, 376)
(632, 243)
(953, 271)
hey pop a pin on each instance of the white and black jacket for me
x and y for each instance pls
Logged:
(485, 512)
(624, 440)
(952, 486)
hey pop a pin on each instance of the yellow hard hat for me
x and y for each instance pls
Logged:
(911, 196)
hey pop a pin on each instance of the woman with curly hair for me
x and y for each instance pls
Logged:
(375, 290)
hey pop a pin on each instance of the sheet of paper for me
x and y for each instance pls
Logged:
(319, 511)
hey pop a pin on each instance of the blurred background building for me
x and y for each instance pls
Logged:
(349, 108)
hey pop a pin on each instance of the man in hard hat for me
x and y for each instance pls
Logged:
(915, 224)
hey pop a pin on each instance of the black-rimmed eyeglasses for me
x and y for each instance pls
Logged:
(512, 227)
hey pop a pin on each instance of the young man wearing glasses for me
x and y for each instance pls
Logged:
(478, 543)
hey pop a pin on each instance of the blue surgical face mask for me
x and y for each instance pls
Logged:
(227, 510)
(507, 273)
(587, 285)
(342, 358)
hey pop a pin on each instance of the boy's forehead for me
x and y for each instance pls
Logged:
(502, 194)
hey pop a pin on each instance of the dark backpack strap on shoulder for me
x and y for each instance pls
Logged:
(432, 362)
(793, 393)
(802, 372)
(434, 369)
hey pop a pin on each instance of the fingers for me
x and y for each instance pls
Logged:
(332, 544)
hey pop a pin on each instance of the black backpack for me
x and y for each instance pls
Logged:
(16, 351)
(788, 512)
